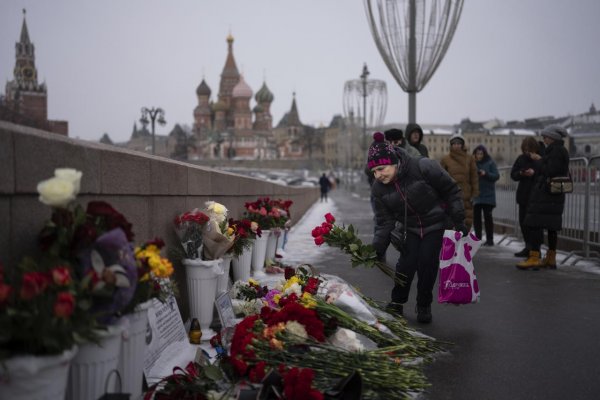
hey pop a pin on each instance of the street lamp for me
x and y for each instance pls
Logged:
(153, 113)
(363, 77)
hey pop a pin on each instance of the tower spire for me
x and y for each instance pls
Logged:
(24, 31)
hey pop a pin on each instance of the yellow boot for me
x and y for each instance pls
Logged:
(533, 262)
(549, 259)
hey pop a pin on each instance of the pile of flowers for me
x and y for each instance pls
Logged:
(268, 213)
(320, 324)
(345, 239)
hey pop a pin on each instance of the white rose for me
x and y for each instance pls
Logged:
(56, 192)
(216, 211)
(71, 175)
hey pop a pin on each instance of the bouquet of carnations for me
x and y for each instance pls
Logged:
(189, 228)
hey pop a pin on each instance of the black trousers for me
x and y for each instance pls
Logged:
(537, 238)
(488, 220)
(423, 258)
(524, 229)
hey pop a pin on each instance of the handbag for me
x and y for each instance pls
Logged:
(559, 184)
(458, 283)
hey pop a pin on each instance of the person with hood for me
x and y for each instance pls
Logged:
(545, 209)
(462, 168)
(523, 171)
(414, 136)
(486, 201)
(408, 194)
(396, 138)
(325, 185)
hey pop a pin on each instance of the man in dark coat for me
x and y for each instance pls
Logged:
(545, 209)
(410, 194)
(325, 184)
(414, 136)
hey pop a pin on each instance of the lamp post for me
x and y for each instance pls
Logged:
(153, 113)
(363, 77)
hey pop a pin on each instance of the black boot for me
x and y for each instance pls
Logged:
(424, 314)
(523, 253)
(395, 308)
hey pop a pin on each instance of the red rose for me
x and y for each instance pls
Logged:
(316, 232)
(64, 305)
(311, 285)
(319, 240)
(5, 291)
(61, 276)
(329, 218)
(33, 284)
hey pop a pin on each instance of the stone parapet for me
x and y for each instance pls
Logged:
(148, 190)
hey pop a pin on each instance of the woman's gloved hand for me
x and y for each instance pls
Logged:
(462, 228)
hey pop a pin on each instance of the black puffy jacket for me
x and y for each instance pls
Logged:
(434, 200)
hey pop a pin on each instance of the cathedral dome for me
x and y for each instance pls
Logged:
(258, 108)
(242, 89)
(203, 89)
(264, 95)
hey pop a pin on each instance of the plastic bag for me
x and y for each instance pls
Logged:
(457, 281)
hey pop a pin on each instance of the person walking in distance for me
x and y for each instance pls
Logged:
(414, 136)
(408, 194)
(523, 171)
(462, 168)
(325, 184)
(486, 201)
(545, 209)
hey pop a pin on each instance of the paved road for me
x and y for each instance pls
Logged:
(534, 335)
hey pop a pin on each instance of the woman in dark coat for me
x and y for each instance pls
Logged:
(523, 171)
(411, 192)
(486, 201)
(545, 209)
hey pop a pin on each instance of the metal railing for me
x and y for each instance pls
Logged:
(581, 216)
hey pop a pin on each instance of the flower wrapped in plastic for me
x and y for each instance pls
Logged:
(189, 228)
(217, 237)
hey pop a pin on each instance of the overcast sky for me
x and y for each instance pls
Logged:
(103, 60)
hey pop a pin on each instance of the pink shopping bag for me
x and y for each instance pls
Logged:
(457, 282)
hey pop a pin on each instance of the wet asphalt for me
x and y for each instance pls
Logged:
(533, 335)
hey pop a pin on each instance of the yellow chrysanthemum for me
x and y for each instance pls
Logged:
(290, 282)
(252, 281)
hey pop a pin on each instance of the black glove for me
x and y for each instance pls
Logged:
(462, 228)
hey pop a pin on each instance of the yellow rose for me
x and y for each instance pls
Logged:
(56, 192)
(71, 175)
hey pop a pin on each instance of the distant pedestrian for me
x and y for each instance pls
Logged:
(545, 209)
(325, 184)
(523, 171)
(462, 168)
(396, 138)
(486, 201)
(414, 137)
(408, 194)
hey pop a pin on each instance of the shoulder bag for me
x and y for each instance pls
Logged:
(559, 184)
